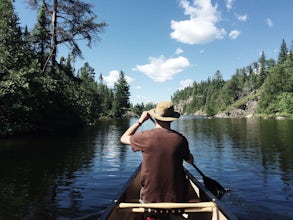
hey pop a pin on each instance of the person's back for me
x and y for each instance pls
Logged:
(162, 174)
(163, 151)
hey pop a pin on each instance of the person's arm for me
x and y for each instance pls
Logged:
(188, 157)
(125, 138)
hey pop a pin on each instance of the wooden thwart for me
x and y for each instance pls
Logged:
(206, 209)
(167, 205)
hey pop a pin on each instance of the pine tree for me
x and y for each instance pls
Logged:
(71, 21)
(121, 96)
(106, 95)
(283, 53)
(91, 98)
(41, 36)
(218, 80)
(290, 56)
(15, 57)
(12, 54)
(263, 69)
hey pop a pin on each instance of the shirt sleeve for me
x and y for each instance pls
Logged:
(186, 149)
(136, 141)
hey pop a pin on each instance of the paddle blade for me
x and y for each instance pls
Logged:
(214, 187)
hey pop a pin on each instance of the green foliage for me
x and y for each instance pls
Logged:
(40, 36)
(106, 95)
(121, 102)
(90, 93)
(14, 106)
(34, 98)
(277, 90)
(205, 95)
(32, 101)
(285, 101)
(139, 108)
(13, 55)
(283, 52)
(273, 82)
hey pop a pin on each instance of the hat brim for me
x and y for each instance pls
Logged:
(174, 117)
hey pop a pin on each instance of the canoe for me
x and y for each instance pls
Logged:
(203, 204)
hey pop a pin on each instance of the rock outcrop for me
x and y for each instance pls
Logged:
(246, 110)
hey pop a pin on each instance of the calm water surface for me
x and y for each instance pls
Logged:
(75, 176)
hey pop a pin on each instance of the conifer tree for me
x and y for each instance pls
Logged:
(283, 53)
(91, 98)
(71, 21)
(12, 54)
(106, 96)
(41, 35)
(263, 69)
(121, 96)
(15, 57)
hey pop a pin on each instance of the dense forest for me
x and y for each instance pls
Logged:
(266, 82)
(41, 91)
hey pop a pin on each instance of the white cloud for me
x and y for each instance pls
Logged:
(186, 83)
(114, 76)
(229, 4)
(138, 87)
(269, 22)
(201, 26)
(241, 17)
(161, 69)
(234, 34)
(179, 50)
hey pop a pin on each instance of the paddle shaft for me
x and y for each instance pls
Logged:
(198, 170)
(152, 120)
(215, 187)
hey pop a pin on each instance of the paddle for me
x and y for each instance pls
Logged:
(212, 185)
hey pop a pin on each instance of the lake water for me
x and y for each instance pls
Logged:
(76, 175)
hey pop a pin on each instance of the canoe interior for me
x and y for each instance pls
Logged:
(198, 193)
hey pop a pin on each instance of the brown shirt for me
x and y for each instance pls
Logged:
(162, 172)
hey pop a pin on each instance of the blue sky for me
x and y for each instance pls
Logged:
(165, 45)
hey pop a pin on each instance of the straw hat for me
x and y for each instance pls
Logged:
(164, 111)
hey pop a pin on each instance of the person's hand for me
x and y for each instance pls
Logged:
(144, 116)
(190, 159)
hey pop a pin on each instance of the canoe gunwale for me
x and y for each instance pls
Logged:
(211, 196)
(119, 196)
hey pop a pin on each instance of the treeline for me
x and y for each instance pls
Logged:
(38, 92)
(266, 81)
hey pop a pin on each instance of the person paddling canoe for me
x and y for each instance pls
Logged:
(163, 151)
